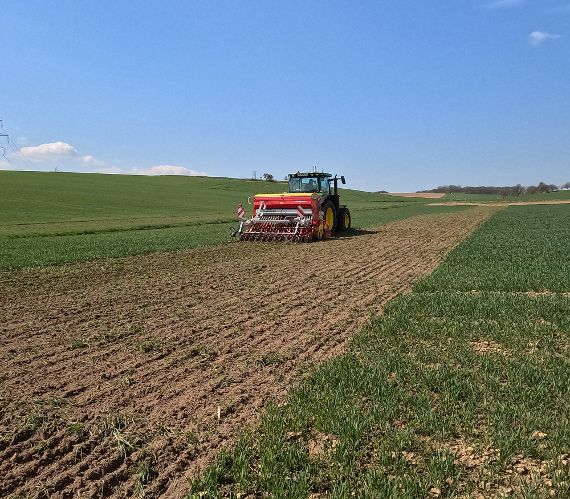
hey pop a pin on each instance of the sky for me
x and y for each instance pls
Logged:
(397, 95)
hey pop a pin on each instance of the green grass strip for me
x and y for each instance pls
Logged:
(55, 250)
(522, 248)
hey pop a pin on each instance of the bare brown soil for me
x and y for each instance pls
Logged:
(129, 373)
(521, 472)
(424, 195)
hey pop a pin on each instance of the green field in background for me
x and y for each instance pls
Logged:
(549, 196)
(54, 218)
(38, 197)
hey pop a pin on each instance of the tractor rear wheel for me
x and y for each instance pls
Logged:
(344, 219)
(330, 214)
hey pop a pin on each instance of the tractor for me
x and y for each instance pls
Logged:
(310, 211)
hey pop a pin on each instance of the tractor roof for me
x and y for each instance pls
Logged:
(309, 174)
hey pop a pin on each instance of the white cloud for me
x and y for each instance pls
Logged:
(170, 170)
(538, 37)
(62, 153)
(66, 157)
(52, 151)
(505, 4)
(110, 170)
(153, 170)
(89, 160)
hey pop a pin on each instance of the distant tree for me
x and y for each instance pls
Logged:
(268, 177)
(542, 187)
(504, 191)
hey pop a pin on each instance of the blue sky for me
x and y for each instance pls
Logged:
(397, 95)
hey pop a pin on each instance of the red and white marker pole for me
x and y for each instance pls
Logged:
(240, 211)
(300, 211)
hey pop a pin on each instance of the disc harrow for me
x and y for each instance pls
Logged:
(268, 231)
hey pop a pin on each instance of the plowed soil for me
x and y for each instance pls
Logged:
(132, 373)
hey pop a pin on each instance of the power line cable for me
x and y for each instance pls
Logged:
(3, 133)
(5, 157)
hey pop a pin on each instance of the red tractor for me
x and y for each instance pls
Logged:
(310, 211)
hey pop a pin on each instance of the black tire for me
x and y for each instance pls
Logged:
(339, 223)
(344, 219)
(328, 205)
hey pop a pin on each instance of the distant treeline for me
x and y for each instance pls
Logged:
(507, 190)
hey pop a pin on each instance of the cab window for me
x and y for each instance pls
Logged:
(325, 186)
(303, 184)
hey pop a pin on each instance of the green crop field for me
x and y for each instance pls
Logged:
(54, 218)
(563, 195)
(520, 249)
(460, 389)
(128, 200)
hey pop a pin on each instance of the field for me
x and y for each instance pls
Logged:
(563, 195)
(361, 364)
(55, 218)
(114, 372)
(459, 388)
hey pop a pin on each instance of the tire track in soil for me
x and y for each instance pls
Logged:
(145, 349)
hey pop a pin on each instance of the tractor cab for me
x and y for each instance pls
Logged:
(309, 183)
(322, 183)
